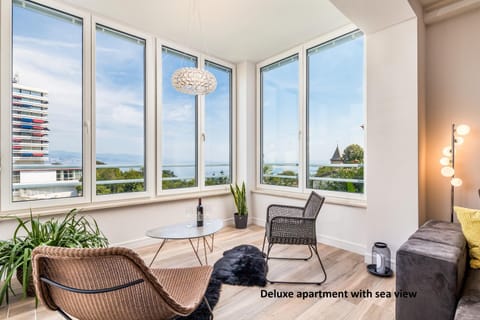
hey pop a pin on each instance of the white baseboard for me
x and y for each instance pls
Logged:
(136, 243)
(331, 241)
(342, 244)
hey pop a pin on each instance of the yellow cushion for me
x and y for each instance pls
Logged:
(470, 221)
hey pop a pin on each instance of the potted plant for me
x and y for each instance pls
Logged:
(240, 200)
(73, 231)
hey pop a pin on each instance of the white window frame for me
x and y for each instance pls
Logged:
(259, 185)
(233, 127)
(200, 159)
(303, 96)
(149, 116)
(6, 100)
(153, 95)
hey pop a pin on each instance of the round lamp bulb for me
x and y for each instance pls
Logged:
(462, 129)
(447, 151)
(459, 140)
(447, 171)
(456, 182)
(444, 161)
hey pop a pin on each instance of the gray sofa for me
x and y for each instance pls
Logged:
(434, 263)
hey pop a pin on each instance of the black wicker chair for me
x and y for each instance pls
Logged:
(295, 226)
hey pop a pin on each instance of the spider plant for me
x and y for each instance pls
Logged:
(73, 231)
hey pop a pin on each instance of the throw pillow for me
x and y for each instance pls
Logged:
(470, 221)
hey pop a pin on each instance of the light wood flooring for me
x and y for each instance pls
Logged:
(346, 272)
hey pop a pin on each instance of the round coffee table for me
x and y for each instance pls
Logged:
(189, 232)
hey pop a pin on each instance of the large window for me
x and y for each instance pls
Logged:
(312, 117)
(179, 125)
(47, 103)
(218, 137)
(279, 90)
(335, 115)
(80, 124)
(120, 111)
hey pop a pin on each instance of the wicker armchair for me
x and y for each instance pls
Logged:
(114, 283)
(294, 226)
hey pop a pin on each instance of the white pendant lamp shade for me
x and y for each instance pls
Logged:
(194, 81)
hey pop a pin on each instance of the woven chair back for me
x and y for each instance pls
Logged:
(94, 269)
(313, 205)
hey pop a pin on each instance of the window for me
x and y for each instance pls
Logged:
(120, 111)
(218, 137)
(335, 115)
(179, 125)
(47, 103)
(79, 125)
(279, 90)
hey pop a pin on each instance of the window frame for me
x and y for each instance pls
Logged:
(200, 125)
(233, 127)
(259, 163)
(344, 197)
(153, 93)
(149, 113)
(6, 43)
(310, 45)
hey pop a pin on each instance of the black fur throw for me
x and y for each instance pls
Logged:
(243, 265)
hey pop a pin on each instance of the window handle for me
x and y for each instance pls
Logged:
(86, 125)
(203, 136)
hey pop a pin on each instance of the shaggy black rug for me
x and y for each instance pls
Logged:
(243, 266)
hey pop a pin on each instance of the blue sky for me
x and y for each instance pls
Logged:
(47, 54)
(179, 114)
(335, 103)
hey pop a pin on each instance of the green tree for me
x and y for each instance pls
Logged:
(353, 154)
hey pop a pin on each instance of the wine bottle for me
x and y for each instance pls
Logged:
(199, 213)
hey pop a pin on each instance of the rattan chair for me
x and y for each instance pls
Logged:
(294, 226)
(114, 283)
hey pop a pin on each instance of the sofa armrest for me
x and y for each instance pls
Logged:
(434, 270)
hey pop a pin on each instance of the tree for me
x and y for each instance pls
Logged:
(353, 154)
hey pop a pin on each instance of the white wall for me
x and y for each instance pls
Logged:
(453, 96)
(126, 226)
(246, 127)
(392, 134)
(394, 118)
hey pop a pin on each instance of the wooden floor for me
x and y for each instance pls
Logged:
(346, 272)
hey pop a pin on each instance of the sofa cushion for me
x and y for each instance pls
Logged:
(442, 225)
(441, 235)
(469, 305)
(470, 221)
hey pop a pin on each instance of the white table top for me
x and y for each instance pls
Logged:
(186, 230)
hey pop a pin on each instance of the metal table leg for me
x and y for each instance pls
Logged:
(156, 254)
(196, 252)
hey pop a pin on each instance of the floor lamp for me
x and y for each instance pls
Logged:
(448, 161)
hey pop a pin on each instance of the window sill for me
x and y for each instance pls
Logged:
(58, 210)
(329, 199)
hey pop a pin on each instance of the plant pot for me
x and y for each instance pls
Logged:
(240, 220)
(30, 285)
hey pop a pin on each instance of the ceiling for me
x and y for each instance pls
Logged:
(241, 30)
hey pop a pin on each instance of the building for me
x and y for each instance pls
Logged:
(336, 157)
(33, 177)
(29, 125)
